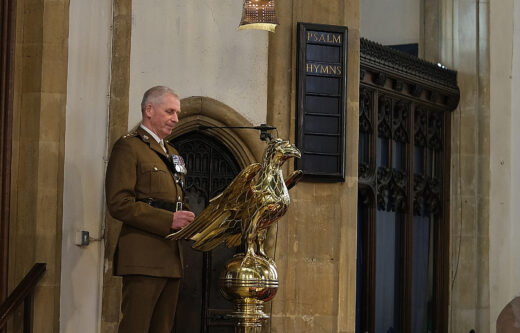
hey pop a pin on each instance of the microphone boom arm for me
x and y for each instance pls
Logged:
(263, 128)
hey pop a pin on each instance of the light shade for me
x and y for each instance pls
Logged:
(258, 14)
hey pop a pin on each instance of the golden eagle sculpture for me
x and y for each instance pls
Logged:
(255, 199)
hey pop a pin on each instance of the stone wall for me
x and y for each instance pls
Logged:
(117, 126)
(38, 152)
(458, 38)
(195, 48)
(504, 248)
(84, 163)
(391, 22)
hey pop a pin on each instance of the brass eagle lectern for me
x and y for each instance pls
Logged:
(254, 200)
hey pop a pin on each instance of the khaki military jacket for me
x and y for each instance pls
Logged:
(135, 171)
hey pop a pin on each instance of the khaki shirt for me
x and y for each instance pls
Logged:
(135, 171)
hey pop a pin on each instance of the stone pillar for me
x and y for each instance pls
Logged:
(118, 126)
(316, 243)
(456, 34)
(38, 152)
(504, 230)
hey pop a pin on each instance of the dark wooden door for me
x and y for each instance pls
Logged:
(211, 167)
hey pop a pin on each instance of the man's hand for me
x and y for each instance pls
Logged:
(181, 219)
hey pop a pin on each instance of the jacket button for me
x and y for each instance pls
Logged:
(155, 168)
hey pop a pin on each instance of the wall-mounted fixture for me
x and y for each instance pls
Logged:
(258, 14)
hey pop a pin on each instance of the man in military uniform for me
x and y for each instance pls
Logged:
(144, 191)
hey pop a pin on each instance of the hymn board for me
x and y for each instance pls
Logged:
(321, 101)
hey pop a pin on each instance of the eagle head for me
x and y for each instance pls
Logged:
(278, 151)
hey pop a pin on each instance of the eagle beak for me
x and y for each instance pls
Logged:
(292, 151)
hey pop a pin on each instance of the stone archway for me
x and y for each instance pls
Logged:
(198, 110)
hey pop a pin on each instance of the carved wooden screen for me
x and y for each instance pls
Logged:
(211, 167)
(404, 131)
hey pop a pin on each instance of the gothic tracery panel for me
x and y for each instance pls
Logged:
(403, 231)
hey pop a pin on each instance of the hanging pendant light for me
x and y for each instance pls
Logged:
(258, 14)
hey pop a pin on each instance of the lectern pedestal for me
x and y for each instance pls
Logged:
(249, 281)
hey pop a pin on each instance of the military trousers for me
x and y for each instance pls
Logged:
(149, 304)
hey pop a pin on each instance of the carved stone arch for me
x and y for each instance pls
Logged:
(244, 144)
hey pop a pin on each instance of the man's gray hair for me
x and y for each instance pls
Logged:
(152, 95)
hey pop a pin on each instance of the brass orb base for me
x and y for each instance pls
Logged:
(249, 281)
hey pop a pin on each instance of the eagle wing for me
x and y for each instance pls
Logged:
(218, 221)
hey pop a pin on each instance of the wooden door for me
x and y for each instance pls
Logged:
(211, 167)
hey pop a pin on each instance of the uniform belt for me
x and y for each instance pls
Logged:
(163, 204)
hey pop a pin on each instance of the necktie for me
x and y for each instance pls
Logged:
(162, 145)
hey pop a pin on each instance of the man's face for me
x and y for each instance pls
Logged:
(164, 115)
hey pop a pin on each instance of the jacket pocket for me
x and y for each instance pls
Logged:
(154, 178)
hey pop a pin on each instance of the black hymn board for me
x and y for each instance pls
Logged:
(321, 104)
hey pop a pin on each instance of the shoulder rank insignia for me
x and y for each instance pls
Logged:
(130, 134)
